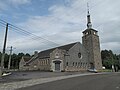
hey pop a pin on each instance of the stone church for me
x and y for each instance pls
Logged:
(70, 57)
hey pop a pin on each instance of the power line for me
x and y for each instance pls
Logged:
(33, 36)
(17, 29)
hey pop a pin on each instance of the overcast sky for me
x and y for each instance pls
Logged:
(59, 21)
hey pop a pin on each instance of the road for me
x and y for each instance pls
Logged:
(92, 82)
(27, 75)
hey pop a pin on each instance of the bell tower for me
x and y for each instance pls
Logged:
(90, 41)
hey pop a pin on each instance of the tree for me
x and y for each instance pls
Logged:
(27, 54)
(15, 59)
(109, 59)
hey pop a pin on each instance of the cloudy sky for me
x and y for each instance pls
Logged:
(51, 23)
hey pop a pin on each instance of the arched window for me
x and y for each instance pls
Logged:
(73, 63)
(66, 63)
(76, 64)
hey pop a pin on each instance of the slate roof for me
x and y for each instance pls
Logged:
(46, 53)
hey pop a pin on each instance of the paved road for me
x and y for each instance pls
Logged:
(27, 75)
(92, 82)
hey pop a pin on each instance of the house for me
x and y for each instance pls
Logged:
(22, 64)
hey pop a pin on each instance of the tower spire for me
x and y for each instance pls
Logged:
(89, 24)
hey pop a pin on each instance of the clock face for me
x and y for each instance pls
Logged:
(79, 55)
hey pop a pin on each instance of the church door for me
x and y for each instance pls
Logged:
(57, 65)
(91, 66)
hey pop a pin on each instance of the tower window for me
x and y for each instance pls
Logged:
(89, 32)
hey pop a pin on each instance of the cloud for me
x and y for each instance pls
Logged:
(3, 6)
(19, 2)
(7, 4)
(115, 46)
(65, 23)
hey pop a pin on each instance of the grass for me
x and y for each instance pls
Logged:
(105, 70)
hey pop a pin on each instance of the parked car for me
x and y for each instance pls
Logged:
(93, 70)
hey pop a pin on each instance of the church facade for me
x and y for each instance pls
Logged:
(70, 57)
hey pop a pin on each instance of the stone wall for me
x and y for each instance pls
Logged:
(76, 62)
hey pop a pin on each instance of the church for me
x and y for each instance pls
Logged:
(70, 57)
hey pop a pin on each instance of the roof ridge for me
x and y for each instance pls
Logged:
(59, 46)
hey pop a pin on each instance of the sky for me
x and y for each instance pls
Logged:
(53, 23)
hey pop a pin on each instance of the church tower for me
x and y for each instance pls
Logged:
(90, 41)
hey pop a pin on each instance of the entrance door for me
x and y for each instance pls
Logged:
(57, 66)
(91, 66)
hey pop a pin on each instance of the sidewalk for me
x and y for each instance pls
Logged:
(20, 84)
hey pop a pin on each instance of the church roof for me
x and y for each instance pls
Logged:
(46, 53)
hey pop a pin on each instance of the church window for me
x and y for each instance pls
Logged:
(44, 62)
(47, 61)
(79, 55)
(66, 63)
(81, 64)
(57, 55)
(40, 62)
(73, 63)
(76, 63)
(85, 64)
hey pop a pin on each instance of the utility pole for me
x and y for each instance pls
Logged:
(3, 53)
(9, 63)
